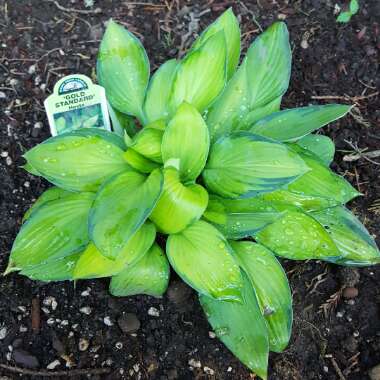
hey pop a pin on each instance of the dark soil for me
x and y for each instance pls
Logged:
(333, 337)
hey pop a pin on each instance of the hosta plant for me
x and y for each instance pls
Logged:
(216, 181)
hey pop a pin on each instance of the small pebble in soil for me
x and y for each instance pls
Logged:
(209, 371)
(211, 334)
(25, 359)
(3, 332)
(85, 310)
(374, 373)
(86, 292)
(54, 364)
(195, 363)
(119, 345)
(107, 321)
(83, 344)
(152, 311)
(350, 292)
(128, 323)
(229, 369)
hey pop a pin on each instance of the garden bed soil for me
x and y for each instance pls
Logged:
(334, 338)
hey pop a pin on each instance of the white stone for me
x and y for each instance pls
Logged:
(54, 364)
(85, 310)
(153, 312)
(107, 321)
(195, 363)
(208, 370)
(3, 332)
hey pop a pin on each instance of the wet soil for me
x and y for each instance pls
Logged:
(334, 338)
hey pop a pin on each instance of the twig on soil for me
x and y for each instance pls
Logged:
(336, 367)
(354, 99)
(361, 153)
(47, 373)
(331, 303)
(73, 10)
(375, 207)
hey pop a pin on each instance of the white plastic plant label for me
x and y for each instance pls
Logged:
(76, 103)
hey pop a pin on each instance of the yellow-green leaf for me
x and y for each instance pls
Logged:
(201, 75)
(148, 143)
(121, 207)
(262, 78)
(156, 106)
(55, 230)
(202, 258)
(123, 69)
(322, 146)
(321, 181)
(49, 195)
(77, 162)
(138, 162)
(239, 218)
(243, 165)
(92, 264)
(229, 24)
(298, 236)
(179, 205)
(292, 124)
(241, 327)
(54, 270)
(356, 246)
(149, 275)
(272, 290)
(186, 138)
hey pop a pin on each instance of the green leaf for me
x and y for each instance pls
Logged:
(320, 181)
(150, 275)
(229, 24)
(123, 69)
(54, 270)
(156, 104)
(111, 137)
(261, 78)
(292, 124)
(202, 258)
(148, 143)
(357, 247)
(121, 207)
(92, 264)
(178, 205)
(55, 230)
(241, 327)
(269, 65)
(272, 290)
(244, 165)
(288, 200)
(298, 236)
(139, 162)
(354, 7)
(49, 195)
(344, 17)
(186, 138)
(322, 146)
(77, 162)
(240, 218)
(259, 113)
(201, 75)
(122, 123)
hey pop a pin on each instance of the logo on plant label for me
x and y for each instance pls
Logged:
(76, 103)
